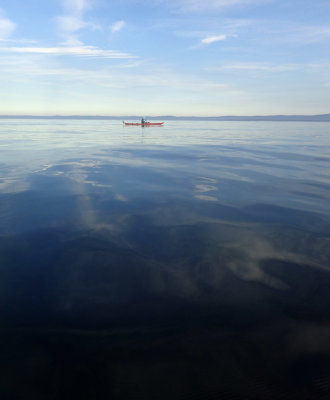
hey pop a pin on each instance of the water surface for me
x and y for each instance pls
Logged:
(184, 261)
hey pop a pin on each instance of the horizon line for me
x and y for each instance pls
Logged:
(158, 116)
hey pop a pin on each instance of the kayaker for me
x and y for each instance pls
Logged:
(143, 121)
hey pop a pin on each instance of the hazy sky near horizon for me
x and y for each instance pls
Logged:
(161, 57)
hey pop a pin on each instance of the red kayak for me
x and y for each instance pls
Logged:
(144, 124)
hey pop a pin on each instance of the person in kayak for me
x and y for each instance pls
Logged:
(143, 121)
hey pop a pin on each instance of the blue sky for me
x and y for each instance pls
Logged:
(164, 57)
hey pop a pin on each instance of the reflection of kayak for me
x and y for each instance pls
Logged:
(144, 124)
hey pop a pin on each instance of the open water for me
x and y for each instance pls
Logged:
(189, 261)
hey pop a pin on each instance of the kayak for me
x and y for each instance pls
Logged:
(144, 124)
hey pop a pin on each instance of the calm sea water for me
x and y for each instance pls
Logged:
(189, 261)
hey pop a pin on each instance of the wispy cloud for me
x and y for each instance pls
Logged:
(115, 76)
(117, 26)
(7, 26)
(307, 34)
(76, 6)
(70, 23)
(21, 41)
(212, 39)
(209, 31)
(261, 67)
(73, 21)
(207, 5)
(87, 51)
(209, 39)
(289, 32)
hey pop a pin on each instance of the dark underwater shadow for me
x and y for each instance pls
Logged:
(167, 306)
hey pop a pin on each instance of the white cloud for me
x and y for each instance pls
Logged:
(76, 6)
(73, 21)
(117, 26)
(261, 67)
(87, 51)
(212, 39)
(115, 76)
(194, 6)
(7, 27)
(21, 41)
(70, 23)
(207, 5)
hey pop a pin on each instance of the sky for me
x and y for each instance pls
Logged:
(164, 57)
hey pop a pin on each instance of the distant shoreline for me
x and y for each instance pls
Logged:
(287, 118)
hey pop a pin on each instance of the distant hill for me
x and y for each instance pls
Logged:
(306, 118)
(320, 117)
